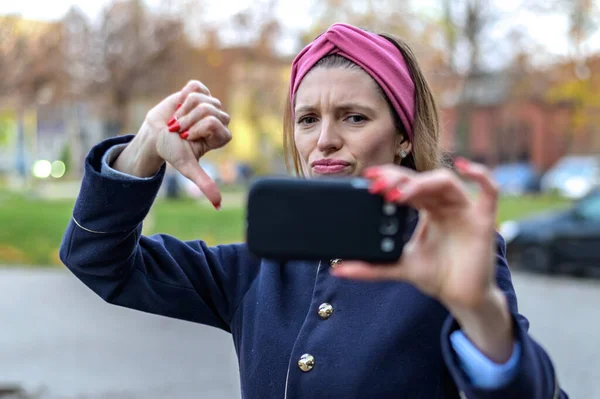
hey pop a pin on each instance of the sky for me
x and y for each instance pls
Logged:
(550, 31)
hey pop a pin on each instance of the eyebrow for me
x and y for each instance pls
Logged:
(339, 107)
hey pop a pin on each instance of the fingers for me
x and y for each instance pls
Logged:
(440, 184)
(364, 271)
(435, 190)
(196, 108)
(191, 95)
(480, 174)
(212, 130)
(192, 106)
(193, 171)
(195, 100)
(199, 110)
(387, 180)
(193, 86)
(167, 109)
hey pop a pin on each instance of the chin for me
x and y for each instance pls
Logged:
(329, 176)
(345, 173)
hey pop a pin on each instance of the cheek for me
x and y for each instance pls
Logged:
(303, 143)
(377, 150)
(304, 149)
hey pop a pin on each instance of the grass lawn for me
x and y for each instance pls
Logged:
(511, 208)
(32, 229)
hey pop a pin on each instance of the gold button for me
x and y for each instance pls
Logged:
(335, 262)
(325, 310)
(306, 362)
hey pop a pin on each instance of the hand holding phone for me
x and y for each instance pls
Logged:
(314, 219)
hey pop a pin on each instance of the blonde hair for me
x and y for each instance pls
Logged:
(426, 151)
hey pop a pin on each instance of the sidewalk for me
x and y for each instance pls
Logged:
(59, 340)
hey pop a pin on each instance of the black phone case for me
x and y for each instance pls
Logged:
(314, 219)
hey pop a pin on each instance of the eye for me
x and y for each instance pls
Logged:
(306, 120)
(356, 118)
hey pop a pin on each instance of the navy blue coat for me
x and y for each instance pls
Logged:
(383, 340)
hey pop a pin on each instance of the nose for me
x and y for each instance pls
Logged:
(330, 139)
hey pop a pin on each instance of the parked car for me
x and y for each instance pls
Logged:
(573, 176)
(548, 240)
(516, 178)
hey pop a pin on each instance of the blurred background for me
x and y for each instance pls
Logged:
(516, 82)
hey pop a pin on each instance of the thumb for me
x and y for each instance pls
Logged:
(167, 107)
(193, 171)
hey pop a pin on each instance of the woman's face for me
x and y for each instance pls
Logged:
(343, 124)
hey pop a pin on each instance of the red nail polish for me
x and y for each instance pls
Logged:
(178, 106)
(393, 195)
(174, 127)
(377, 186)
(371, 173)
(217, 206)
(461, 163)
(185, 134)
(171, 121)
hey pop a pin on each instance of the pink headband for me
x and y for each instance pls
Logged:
(374, 54)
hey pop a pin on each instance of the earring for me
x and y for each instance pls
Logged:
(403, 154)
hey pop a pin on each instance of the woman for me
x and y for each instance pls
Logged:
(443, 321)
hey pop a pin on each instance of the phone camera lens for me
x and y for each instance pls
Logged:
(389, 209)
(387, 245)
(389, 226)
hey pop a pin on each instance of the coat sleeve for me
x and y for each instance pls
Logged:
(104, 247)
(535, 377)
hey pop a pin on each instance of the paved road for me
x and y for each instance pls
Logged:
(57, 336)
(60, 340)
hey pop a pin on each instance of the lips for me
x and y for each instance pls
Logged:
(329, 166)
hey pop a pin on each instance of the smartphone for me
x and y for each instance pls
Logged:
(313, 219)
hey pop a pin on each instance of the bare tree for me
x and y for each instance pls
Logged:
(262, 89)
(583, 17)
(31, 65)
(135, 45)
(389, 16)
(463, 25)
(575, 85)
(126, 55)
(10, 45)
(31, 60)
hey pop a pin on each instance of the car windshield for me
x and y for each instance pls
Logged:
(509, 172)
(585, 167)
(589, 207)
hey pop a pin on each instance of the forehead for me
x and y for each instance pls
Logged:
(337, 85)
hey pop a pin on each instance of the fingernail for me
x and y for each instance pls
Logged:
(393, 195)
(371, 173)
(178, 106)
(377, 186)
(185, 134)
(171, 121)
(217, 206)
(461, 163)
(174, 127)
